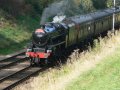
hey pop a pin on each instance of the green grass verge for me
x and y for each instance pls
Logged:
(106, 76)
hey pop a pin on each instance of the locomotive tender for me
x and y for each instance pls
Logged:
(53, 38)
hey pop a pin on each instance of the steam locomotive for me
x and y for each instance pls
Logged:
(52, 38)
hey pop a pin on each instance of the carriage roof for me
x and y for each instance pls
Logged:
(92, 16)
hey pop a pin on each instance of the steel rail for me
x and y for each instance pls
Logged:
(13, 56)
(11, 62)
(6, 77)
(19, 77)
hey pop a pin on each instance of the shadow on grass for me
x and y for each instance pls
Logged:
(8, 46)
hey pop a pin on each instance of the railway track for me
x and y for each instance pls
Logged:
(12, 70)
(16, 69)
(12, 60)
(11, 81)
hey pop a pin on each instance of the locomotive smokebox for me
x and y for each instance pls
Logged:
(40, 37)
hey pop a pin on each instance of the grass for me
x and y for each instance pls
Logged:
(106, 75)
(91, 62)
(15, 33)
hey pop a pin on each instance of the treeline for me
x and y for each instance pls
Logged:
(96, 4)
(99, 4)
(36, 7)
(74, 7)
(21, 7)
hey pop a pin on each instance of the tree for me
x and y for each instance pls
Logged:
(86, 6)
(100, 4)
(12, 6)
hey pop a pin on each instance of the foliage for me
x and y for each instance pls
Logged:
(21, 7)
(86, 6)
(35, 8)
(38, 5)
(79, 7)
(99, 4)
(110, 3)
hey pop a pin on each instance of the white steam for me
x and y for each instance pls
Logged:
(56, 8)
(57, 19)
(65, 7)
(61, 8)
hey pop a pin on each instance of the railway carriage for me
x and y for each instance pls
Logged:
(53, 38)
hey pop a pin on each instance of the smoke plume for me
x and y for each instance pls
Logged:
(64, 7)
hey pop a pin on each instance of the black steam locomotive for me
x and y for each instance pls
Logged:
(52, 38)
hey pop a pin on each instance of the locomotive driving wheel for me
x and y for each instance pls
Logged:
(31, 62)
(38, 62)
(43, 62)
(34, 61)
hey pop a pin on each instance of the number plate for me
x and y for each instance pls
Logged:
(39, 50)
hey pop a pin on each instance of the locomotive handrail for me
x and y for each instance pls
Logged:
(57, 44)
